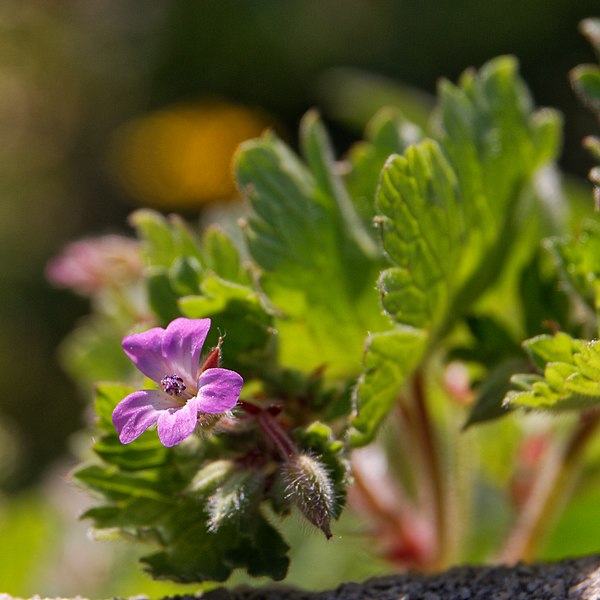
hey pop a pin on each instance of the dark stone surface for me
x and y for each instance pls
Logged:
(577, 579)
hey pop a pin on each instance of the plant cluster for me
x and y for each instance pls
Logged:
(393, 286)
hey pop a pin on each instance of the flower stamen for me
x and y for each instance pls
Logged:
(172, 385)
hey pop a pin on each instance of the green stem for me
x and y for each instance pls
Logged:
(549, 493)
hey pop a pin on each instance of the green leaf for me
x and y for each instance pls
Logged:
(387, 133)
(449, 210)
(128, 514)
(489, 403)
(164, 240)
(222, 257)
(147, 452)
(195, 554)
(321, 161)
(234, 499)
(586, 83)
(212, 475)
(105, 517)
(191, 553)
(113, 484)
(495, 144)
(571, 375)
(185, 275)
(238, 313)
(161, 295)
(108, 395)
(560, 347)
(422, 233)
(389, 359)
(265, 553)
(543, 298)
(578, 260)
(311, 246)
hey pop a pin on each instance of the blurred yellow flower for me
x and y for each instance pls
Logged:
(180, 157)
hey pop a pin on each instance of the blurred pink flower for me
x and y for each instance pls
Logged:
(91, 265)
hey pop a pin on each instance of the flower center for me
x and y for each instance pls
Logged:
(172, 385)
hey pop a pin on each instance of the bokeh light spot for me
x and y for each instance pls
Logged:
(180, 157)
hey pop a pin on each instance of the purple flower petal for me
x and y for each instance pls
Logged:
(175, 425)
(144, 349)
(218, 390)
(136, 412)
(181, 347)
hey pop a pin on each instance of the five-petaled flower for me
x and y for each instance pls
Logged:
(171, 358)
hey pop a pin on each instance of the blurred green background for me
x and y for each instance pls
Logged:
(106, 105)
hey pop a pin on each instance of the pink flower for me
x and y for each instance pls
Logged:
(90, 265)
(171, 358)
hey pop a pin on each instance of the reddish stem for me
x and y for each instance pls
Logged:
(410, 539)
(550, 490)
(430, 454)
(273, 430)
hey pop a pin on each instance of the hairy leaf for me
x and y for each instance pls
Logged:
(578, 259)
(201, 555)
(571, 375)
(422, 232)
(450, 207)
(390, 357)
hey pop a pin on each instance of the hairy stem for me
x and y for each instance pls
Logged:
(270, 426)
(278, 436)
(550, 490)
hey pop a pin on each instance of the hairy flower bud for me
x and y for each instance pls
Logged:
(309, 486)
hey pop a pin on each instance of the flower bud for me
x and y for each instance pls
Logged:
(91, 265)
(309, 486)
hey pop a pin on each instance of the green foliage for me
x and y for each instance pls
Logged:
(389, 358)
(571, 374)
(387, 133)
(205, 524)
(578, 261)
(355, 283)
(449, 209)
(585, 80)
(318, 262)
(449, 215)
